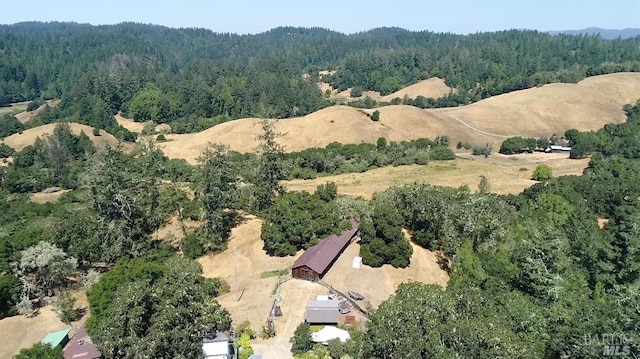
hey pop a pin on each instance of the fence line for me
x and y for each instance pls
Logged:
(276, 300)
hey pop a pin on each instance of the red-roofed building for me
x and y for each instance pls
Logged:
(315, 262)
(81, 347)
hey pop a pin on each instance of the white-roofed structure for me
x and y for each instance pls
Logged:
(328, 333)
(217, 348)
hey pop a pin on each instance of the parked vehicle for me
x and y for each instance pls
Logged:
(355, 295)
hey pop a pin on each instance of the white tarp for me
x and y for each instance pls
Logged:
(328, 333)
(357, 262)
(322, 297)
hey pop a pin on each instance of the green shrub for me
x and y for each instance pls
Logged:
(6, 151)
(542, 173)
(192, 246)
(375, 116)
(33, 105)
(481, 150)
(356, 92)
(64, 307)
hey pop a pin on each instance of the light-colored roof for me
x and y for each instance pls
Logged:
(331, 304)
(214, 349)
(321, 315)
(55, 338)
(328, 333)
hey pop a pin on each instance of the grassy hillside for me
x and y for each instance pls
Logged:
(540, 111)
(26, 138)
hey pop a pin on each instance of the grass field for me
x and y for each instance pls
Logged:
(506, 174)
(14, 109)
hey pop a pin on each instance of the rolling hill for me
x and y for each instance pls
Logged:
(19, 141)
(430, 88)
(604, 33)
(540, 111)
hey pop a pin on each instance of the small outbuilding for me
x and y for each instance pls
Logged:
(57, 339)
(218, 347)
(315, 262)
(322, 312)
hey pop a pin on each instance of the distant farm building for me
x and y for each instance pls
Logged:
(322, 312)
(557, 149)
(314, 263)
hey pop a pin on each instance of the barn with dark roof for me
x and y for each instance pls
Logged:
(315, 262)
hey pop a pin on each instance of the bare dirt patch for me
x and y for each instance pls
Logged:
(41, 197)
(602, 222)
(506, 174)
(20, 332)
(251, 261)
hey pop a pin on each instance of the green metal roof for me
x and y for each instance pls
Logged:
(55, 338)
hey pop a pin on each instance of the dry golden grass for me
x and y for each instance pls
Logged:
(14, 108)
(346, 95)
(430, 88)
(26, 116)
(553, 108)
(20, 332)
(129, 123)
(540, 111)
(19, 141)
(251, 261)
(503, 172)
(378, 284)
(337, 123)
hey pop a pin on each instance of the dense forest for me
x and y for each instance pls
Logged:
(531, 275)
(194, 78)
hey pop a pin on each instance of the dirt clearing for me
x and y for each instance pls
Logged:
(294, 295)
(429, 88)
(251, 261)
(378, 284)
(42, 197)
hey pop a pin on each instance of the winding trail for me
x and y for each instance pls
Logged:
(477, 129)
